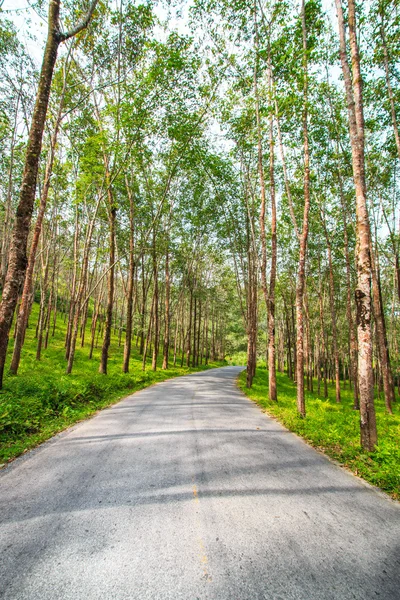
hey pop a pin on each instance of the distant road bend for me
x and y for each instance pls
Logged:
(187, 491)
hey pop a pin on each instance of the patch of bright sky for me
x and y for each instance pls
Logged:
(32, 25)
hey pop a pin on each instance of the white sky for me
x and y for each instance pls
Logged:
(32, 28)
(29, 25)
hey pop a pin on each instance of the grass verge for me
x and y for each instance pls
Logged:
(334, 429)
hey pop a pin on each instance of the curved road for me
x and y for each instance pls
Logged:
(187, 491)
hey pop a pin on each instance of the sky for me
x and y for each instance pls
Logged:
(32, 27)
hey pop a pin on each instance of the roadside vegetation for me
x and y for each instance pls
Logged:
(334, 428)
(43, 400)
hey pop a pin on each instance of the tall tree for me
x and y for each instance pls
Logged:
(17, 256)
(354, 96)
(301, 272)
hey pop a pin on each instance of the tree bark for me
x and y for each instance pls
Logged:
(156, 316)
(7, 209)
(388, 83)
(25, 305)
(333, 311)
(301, 406)
(81, 290)
(260, 167)
(167, 313)
(131, 282)
(363, 292)
(17, 261)
(271, 292)
(110, 286)
(380, 327)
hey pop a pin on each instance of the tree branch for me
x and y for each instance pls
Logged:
(82, 24)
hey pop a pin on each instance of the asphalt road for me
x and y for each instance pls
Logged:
(187, 491)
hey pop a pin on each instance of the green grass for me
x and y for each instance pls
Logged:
(42, 400)
(334, 429)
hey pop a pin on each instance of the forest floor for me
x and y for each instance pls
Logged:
(334, 428)
(43, 400)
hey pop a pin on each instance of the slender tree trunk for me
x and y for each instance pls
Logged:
(167, 313)
(17, 261)
(363, 235)
(251, 311)
(323, 336)
(155, 308)
(333, 312)
(388, 83)
(188, 348)
(353, 368)
(194, 333)
(79, 305)
(23, 313)
(380, 327)
(212, 333)
(176, 341)
(110, 287)
(260, 167)
(301, 273)
(42, 308)
(131, 283)
(143, 310)
(272, 280)
(7, 209)
(71, 311)
(148, 336)
(289, 348)
(17, 256)
(199, 351)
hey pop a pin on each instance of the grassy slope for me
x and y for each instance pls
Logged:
(42, 400)
(334, 428)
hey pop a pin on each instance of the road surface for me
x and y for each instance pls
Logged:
(187, 491)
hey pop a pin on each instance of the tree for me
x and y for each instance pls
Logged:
(363, 292)
(17, 255)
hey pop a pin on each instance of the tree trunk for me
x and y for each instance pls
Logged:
(333, 312)
(380, 328)
(388, 83)
(260, 167)
(198, 336)
(188, 348)
(146, 343)
(43, 295)
(131, 283)
(155, 308)
(301, 406)
(110, 288)
(71, 310)
(272, 280)
(363, 235)
(17, 261)
(78, 302)
(7, 225)
(167, 313)
(23, 313)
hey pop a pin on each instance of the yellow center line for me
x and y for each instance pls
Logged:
(202, 553)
